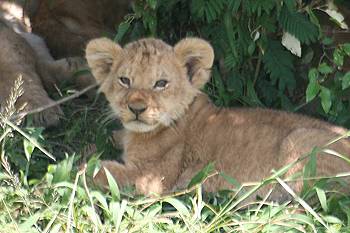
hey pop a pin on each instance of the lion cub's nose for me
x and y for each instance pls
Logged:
(137, 108)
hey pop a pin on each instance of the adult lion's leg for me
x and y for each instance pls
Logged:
(17, 58)
(65, 70)
(53, 72)
(36, 97)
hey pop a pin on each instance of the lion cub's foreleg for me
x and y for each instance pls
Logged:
(117, 138)
(153, 176)
(125, 175)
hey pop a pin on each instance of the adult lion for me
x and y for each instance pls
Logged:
(172, 130)
(67, 25)
(25, 54)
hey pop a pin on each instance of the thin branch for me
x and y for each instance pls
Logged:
(56, 103)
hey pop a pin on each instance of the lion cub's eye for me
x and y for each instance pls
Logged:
(124, 81)
(161, 84)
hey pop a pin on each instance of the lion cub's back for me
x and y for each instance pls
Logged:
(248, 144)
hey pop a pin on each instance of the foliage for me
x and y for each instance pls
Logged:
(252, 67)
(331, 85)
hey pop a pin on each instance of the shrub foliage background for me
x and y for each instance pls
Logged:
(252, 66)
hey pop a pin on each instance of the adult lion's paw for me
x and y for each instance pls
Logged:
(48, 116)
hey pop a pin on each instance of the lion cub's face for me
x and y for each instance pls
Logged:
(149, 83)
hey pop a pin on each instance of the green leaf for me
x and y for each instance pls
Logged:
(251, 48)
(28, 148)
(64, 184)
(290, 4)
(313, 75)
(178, 205)
(197, 8)
(63, 170)
(152, 3)
(154, 210)
(346, 81)
(252, 95)
(302, 218)
(100, 198)
(324, 68)
(251, 7)
(346, 48)
(234, 5)
(332, 219)
(93, 165)
(201, 175)
(118, 209)
(91, 212)
(327, 41)
(310, 169)
(122, 29)
(322, 198)
(279, 63)
(313, 87)
(338, 57)
(29, 222)
(231, 180)
(311, 166)
(308, 56)
(113, 186)
(234, 84)
(326, 100)
(210, 9)
(298, 25)
(313, 18)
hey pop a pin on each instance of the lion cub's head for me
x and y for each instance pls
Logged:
(149, 83)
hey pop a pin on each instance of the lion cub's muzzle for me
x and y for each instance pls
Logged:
(137, 103)
(137, 108)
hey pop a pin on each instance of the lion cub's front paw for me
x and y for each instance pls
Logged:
(117, 139)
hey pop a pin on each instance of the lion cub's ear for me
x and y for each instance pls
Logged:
(101, 54)
(198, 56)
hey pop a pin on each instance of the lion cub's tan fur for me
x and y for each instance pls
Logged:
(178, 130)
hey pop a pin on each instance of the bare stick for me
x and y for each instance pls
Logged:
(61, 101)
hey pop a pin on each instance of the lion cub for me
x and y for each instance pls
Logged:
(172, 130)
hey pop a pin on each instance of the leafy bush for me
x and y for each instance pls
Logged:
(252, 40)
